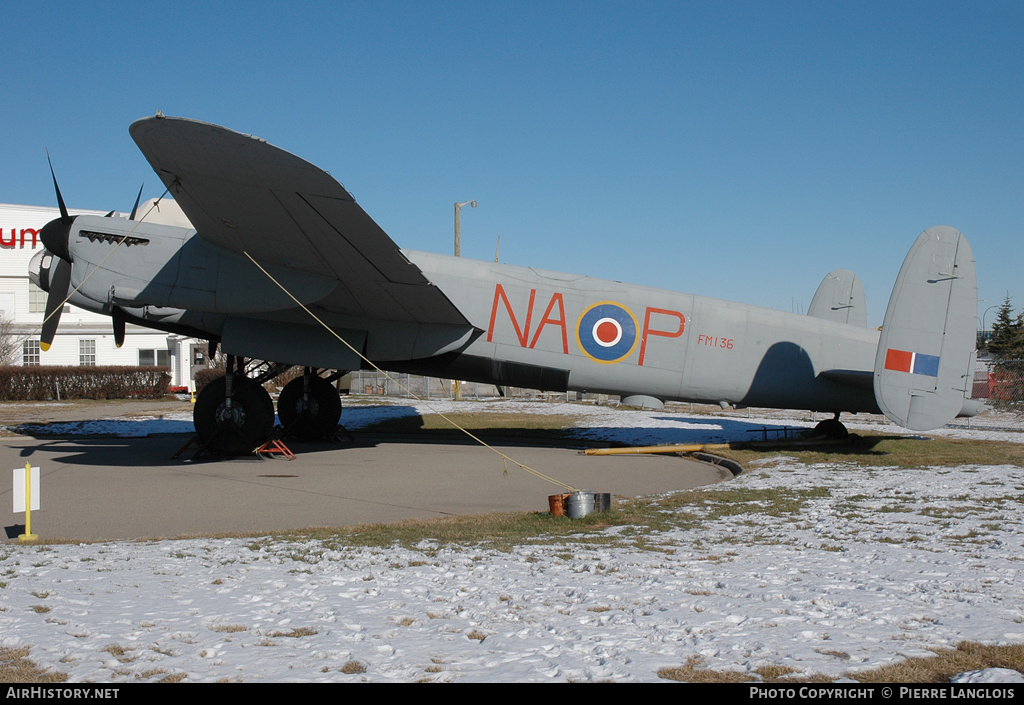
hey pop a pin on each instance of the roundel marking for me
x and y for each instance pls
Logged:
(606, 332)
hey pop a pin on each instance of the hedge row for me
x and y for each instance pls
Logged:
(39, 383)
(204, 377)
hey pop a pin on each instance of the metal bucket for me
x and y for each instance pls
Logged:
(602, 501)
(579, 504)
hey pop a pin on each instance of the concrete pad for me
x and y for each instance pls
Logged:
(129, 488)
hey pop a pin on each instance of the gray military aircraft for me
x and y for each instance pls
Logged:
(282, 265)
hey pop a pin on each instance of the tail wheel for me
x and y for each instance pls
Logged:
(831, 429)
(240, 427)
(311, 417)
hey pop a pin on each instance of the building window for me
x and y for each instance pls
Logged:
(159, 358)
(36, 299)
(30, 353)
(87, 352)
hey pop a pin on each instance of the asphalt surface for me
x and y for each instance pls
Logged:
(97, 488)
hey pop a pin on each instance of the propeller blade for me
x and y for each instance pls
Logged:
(117, 316)
(136, 208)
(64, 217)
(60, 281)
(56, 235)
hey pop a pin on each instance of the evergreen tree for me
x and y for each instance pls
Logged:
(1007, 345)
(1007, 341)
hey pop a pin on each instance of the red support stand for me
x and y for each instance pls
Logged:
(274, 446)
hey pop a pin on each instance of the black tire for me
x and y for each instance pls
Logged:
(315, 419)
(239, 432)
(831, 429)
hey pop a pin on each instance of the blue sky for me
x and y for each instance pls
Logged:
(731, 149)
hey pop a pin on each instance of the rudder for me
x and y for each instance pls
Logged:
(925, 358)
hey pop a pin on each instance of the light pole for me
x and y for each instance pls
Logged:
(458, 240)
(984, 331)
(458, 253)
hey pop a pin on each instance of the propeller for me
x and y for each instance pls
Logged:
(135, 208)
(60, 281)
(117, 317)
(55, 235)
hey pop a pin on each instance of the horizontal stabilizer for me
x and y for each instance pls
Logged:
(840, 298)
(925, 357)
(862, 379)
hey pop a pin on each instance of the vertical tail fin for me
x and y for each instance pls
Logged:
(925, 359)
(840, 298)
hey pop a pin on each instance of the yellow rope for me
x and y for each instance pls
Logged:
(505, 458)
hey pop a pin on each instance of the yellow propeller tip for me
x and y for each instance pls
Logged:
(44, 346)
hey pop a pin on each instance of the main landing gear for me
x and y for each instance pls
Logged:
(236, 421)
(309, 407)
(234, 413)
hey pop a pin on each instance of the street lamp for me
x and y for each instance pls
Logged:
(458, 241)
(458, 253)
(984, 330)
(985, 313)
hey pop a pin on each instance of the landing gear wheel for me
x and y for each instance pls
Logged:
(237, 429)
(314, 417)
(833, 429)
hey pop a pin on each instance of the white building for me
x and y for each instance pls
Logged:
(83, 337)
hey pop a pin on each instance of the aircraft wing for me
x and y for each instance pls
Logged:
(246, 195)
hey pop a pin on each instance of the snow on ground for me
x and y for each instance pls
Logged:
(877, 565)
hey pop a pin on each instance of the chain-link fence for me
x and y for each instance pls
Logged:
(407, 385)
(1001, 383)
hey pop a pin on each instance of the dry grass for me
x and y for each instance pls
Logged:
(879, 449)
(173, 678)
(353, 668)
(946, 663)
(16, 668)
(229, 628)
(295, 633)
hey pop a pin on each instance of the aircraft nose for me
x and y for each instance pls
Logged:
(55, 236)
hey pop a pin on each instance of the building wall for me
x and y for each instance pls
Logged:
(19, 241)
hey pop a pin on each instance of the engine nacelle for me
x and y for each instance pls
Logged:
(171, 267)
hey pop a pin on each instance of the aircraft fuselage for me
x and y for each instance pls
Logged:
(530, 327)
(605, 336)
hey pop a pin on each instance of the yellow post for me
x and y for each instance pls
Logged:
(28, 535)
